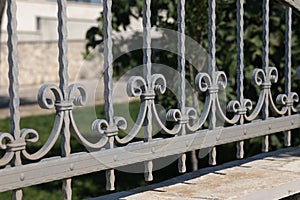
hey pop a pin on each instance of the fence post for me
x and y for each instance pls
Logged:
(14, 101)
(147, 76)
(265, 61)
(212, 70)
(181, 75)
(63, 85)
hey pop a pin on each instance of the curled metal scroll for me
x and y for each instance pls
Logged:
(137, 87)
(6, 138)
(47, 101)
(203, 83)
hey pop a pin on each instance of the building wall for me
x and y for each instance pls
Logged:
(37, 20)
(38, 63)
(37, 36)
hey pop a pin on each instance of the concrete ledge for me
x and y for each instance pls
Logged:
(271, 175)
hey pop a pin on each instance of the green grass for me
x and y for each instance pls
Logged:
(93, 185)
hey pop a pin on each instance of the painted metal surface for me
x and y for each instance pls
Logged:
(186, 134)
(82, 163)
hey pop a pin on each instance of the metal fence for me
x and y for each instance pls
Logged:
(188, 131)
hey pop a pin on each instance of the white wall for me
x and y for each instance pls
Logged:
(30, 13)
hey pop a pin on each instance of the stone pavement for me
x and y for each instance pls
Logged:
(265, 176)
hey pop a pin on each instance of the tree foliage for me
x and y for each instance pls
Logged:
(164, 15)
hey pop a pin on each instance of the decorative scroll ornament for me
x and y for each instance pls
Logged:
(137, 87)
(61, 105)
(264, 79)
(6, 141)
(204, 83)
(288, 100)
(49, 96)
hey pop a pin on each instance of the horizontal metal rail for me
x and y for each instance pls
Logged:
(59, 168)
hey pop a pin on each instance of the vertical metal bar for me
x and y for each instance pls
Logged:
(63, 85)
(108, 82)
(147, 40)
(13, 68)
(212, 69)
(108, 60)
(265, 61)
(14, 101)
(240, 66)
(147, 75)
(181, 75)
(212, 38)
(288, 65)
(63, 46)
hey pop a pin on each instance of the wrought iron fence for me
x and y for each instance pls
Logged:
(188, 130)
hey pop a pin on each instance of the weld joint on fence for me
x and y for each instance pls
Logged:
(289, 103)
(213, 90)
(111, 131)
(64, 105)
(183, 120)
(266, 85)
(242, 111)
(150, 95)
(16, 146)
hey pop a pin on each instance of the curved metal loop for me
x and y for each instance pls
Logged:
(282, 99)
(81, 99)
(220, 112)
(295, 99)
(191, 113)
(288, 100)
(239, 107)
(173, 115)
(158, 83)
(258, 77)
(203, 82)
(233, 106)
(137, 126)
(273, 74)
(273, 107)
(49, 103)
(99, 126)
(247, 103)
(203, 117)
(121, 123)
(258, 107)
(8, 156)
(136, 86)
(33, 136)
(221, 79)
(9, 139)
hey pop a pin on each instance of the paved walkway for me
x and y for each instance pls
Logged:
(266, 176)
